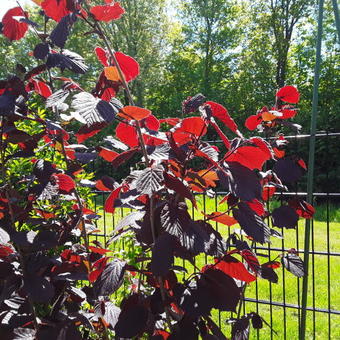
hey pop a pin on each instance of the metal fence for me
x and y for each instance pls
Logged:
(280, 304)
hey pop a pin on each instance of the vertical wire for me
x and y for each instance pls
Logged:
(311, 169)
(297, 230)
(104, 215)
(328, 243)
(313, 277)
(216, 227)
(270, 291)
(284, 286)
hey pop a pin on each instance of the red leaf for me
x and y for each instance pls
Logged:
(93, 276)
(193, 125)
(279, 153)
(302, 208)
(234, 268)
(263, 145)
(101, 55)
(162, 333)
(128, 65)
(170, 121)
(55, 9)
(108, 12)
(288, 113)
(257, 206)
(106, 183)
(288, 94)
(249, 156)
(222, 218)
(65, 182)
(12, 28)
(253, 121)
(5, 251)
(181, 137)
(123, 157)
(268, 192)
(107, 154)
(134, 112)
(127, 134)
(41, 88)
(251, 259)
(109, 203)
(302, 163)
(108, 94)
(97, 250)
(220, 112)
(86, 132)
(153, 141)
(272, 264)
(222, 135)
(151, 122)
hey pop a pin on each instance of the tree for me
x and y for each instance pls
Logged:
(283, 17)
(141, 33)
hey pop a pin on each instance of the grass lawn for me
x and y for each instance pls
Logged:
(283, 321)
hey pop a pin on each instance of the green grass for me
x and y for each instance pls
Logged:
(317, 323)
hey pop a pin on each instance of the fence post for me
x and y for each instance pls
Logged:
(311, 169)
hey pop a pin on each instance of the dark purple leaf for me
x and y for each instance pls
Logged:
(39, 288)
(123, 157)
(256, 321)
(162, 254)
(61, 32)
(90, 110)
(88, 131)
(240, 181)
(184, 329)
(251, 223)
(41, 51)
(4, 236)
(179, 153)
(194, 300)
(294, 264)
(57, 98)
(158, 152)
(285, 217)
(214, 245)
(175, 218)
(85, 157)
(240, 329)
(116, 143)
(6, 269)
(268, 274)
(215, 329)
(108, 311)
(224, 292)
(45, 240)
(178, 186)
(62, 331)
(7, 104)
(67, 60)
(110, 279)
(288, 170)
(43, 170)
(191, 104)
(132, 319)
(150, 180)
(21, 333)
(35, 71)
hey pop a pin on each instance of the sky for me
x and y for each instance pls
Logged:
(5, 5)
